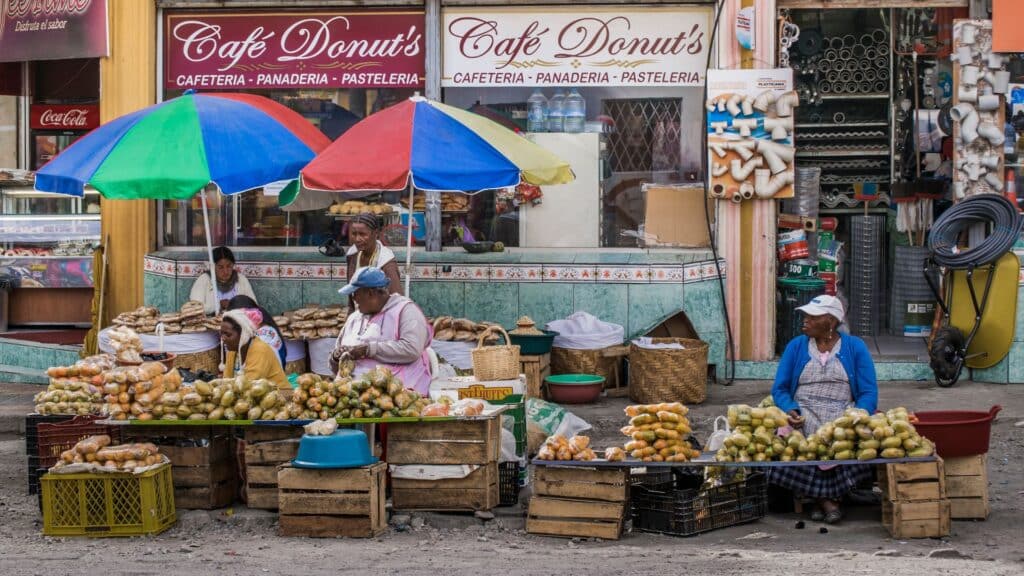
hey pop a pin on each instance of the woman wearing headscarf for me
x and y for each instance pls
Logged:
(266, 328)
(366, 251)
(821, 374)
(246, 353)
(228, 283)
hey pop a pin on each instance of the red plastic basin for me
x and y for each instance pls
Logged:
(574, 388)
(957, 433)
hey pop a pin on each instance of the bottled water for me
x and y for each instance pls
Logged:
(556, 112)
(575, 112)
(537, 112)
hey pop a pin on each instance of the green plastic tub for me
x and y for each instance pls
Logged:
(530, 345)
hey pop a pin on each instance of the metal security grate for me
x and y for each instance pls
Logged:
(646, 136)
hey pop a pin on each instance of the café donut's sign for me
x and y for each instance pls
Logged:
(595, 47)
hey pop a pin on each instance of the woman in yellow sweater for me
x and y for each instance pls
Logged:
(247, 354)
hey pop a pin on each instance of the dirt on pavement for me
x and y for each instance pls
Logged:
(240, 541)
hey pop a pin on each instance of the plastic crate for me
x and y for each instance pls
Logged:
(32, 422)
(116, 504)
(61, 436)
(508, 483)
(675, 508)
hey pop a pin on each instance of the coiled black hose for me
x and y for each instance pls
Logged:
(980, 209)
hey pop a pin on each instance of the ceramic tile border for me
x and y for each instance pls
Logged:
(443, 272)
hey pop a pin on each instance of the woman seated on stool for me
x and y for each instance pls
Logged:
(266, 328)
(820, 375)
(228, 283)
(246, 353)
(385, 330)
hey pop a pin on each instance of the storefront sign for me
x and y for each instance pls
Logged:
(52, 29)
(205, 50)
(57, 117)
(574, 47)
(1006, 16)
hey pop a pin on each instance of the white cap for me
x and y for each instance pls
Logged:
(822, 305)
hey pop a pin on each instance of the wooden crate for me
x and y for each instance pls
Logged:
(257, 434)
(452, 442)
(477, 491)
(332, 503)
(578, 502)
(204, 477)
(261, 462)
(615, 387)
(920, 519)
(912, 482)
(967, 487)
(536, 369)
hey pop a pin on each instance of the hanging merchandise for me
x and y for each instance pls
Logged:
(866, 268)
(792, 245)
(913, 305)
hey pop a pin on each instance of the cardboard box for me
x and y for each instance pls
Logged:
(674, 216)
(469, 387)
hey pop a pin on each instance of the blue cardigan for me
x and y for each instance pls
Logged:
(855, 358)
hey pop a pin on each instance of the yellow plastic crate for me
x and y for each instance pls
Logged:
(118, 504)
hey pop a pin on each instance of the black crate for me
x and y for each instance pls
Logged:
(508, 483)
(668, 508)
(32, 422)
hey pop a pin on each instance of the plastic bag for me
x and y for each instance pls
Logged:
(508, 446)
(717, 438)
(583, 331)
(544, 419)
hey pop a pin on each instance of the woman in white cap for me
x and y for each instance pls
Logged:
(386, 330)
(821, 374)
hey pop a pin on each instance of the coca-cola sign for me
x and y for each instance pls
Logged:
(569, 47)
(351, 49)
(64, 117)
(52, 29)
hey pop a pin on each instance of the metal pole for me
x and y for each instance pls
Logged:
(408, 240)
(209, 251)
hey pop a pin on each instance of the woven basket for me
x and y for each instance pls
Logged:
(207, 361)
(495, 362)
(669, 375)
(569, 361)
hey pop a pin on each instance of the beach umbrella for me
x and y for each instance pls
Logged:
(421, 144)
(175, 149)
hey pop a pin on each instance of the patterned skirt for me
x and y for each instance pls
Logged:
(813, 482)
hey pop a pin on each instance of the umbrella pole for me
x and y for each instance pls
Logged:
(209, 252)
(408, 240)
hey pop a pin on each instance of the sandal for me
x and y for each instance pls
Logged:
(833, 517)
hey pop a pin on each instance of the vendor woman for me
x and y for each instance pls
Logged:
(229, 283)
(820, 375)
(247, 354)
(385, 330)
(366, 250)
(266, 328)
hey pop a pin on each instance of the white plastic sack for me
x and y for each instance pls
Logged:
(177, 343)
(458, 354)
(320, 356)
(426, 472)
(508, 444)
(583, 331)
(294, 350)
(553, 419)
(647, 343)
(717, 438)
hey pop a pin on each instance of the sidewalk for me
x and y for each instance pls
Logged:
(15, 403)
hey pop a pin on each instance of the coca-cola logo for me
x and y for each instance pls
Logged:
(585, 37)
(18, 9)
(305, 39)
(74, 118)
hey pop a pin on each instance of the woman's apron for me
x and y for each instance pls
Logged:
(416, 375)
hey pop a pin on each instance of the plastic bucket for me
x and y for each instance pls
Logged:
(801, 268)
(957, 433)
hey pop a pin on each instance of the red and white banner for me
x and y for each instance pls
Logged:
(64, 117)
(323, 49)
(599, 46)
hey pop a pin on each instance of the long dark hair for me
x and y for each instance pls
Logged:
(243, 301)
(223, 253)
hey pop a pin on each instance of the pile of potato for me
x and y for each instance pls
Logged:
(97, 450)
(754, 437)
(862, 436)
(376, 394)
(75, 389)
(558, 448)
(222, 399)
(659, 433)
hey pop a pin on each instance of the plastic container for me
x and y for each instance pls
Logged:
(508, 483)
(108, 504)
(537, 112)
(32, 422)
(55, 438)
(575, 112)
(574, 388)
(343, 449)
(165, 358)
(957, 433)
(792, 294)
(533, 345)
(556, 112)
(685, 511)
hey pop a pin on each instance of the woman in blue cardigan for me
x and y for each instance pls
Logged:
(821, 374)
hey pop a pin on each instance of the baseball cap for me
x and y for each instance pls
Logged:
(822, 305)
(367, 277)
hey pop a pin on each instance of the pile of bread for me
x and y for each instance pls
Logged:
(189, 320)
(463, 330)
(359, 207)
(450, 202)
(312, 322)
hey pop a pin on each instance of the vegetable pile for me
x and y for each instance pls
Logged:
(754, 437)
(659, 433)
(96, 450)
(862, 436)
(74, 389)
(558, 448)
(376, 394)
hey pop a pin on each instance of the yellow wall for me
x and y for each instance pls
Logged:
(126, 85)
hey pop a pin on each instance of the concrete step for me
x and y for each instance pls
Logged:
(22, 375)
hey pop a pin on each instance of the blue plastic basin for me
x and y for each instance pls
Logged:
(343, 449)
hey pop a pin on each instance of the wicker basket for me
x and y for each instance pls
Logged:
(669, 375)
(569, 361)
(206, 361)
(495, 362)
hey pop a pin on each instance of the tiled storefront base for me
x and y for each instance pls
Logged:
(26, 362)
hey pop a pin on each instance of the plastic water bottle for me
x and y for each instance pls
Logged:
(575, 112)
(537, 112)
(556, 112)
